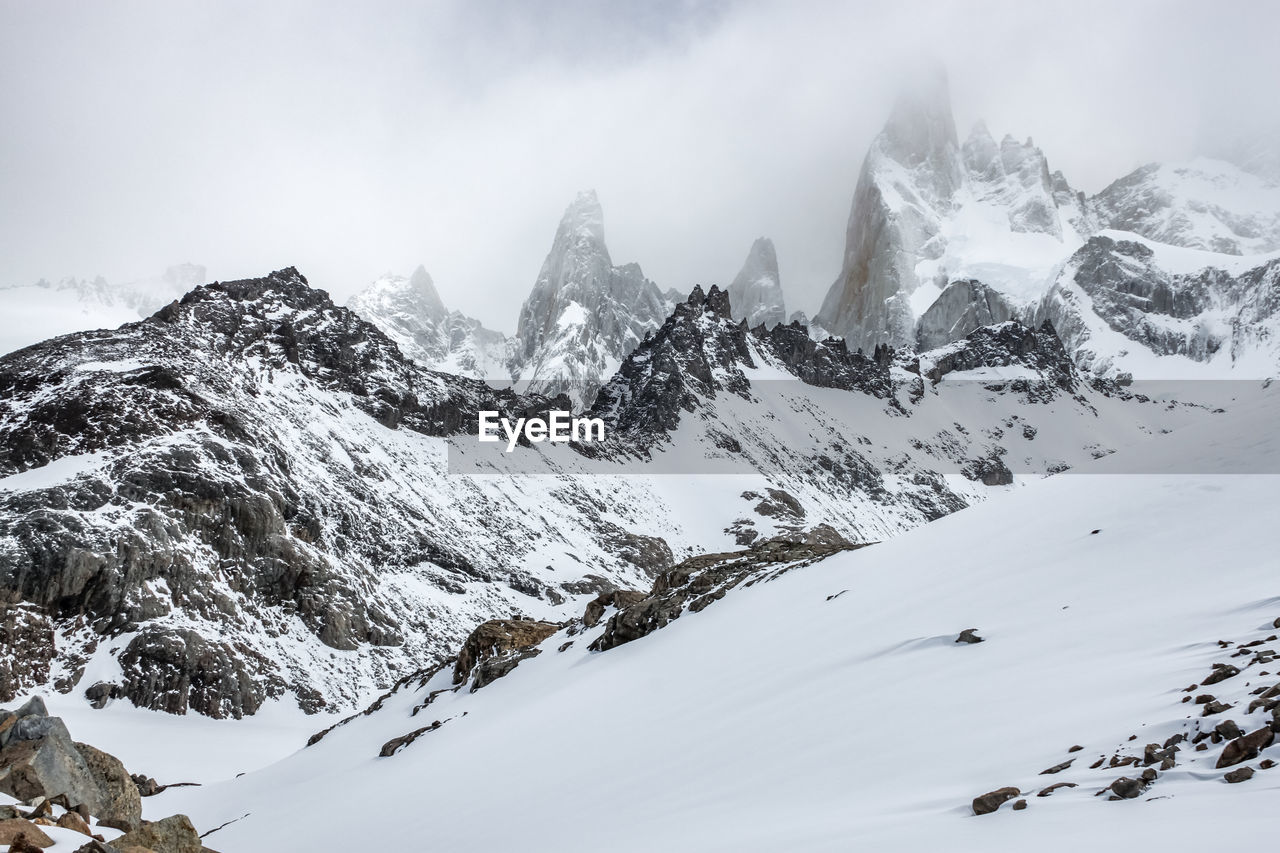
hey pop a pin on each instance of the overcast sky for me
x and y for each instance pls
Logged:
(350, 139)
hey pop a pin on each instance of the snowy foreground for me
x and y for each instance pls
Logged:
(783, 719)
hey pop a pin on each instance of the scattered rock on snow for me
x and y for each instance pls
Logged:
(989, 802)
(1242, 774)
(1058, 768)
(1221, 672)
(1045, 792)
(1245, 747)
(969, 635)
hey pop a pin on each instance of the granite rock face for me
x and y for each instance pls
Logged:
(1119, 286)
(963, 307)
(755, 295)
(584, 314)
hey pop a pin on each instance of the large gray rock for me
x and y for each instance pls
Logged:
(39, 759)
(119, 803)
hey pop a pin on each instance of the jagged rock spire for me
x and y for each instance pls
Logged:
(756, 293)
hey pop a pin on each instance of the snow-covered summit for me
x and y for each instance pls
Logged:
(1203, 204)
(943, 239)
(411, 312)
(927, 211)
(584, 314)
(756, 293)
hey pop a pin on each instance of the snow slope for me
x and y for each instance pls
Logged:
(785, 718)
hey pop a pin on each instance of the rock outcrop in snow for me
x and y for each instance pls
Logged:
(584, 314)
(756, 292)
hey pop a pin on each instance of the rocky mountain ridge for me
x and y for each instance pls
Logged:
(254, 494)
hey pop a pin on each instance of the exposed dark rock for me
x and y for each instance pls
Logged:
(1126, 788)
(990, 802)
(1055, 786)
(970, 635)
(618, 598)
(1019, 805)
(26, 650)
(698, 581)
(1215, 707)
(1057, 768)
(1221, 672)
(396, 744)
(499, 645)
(174, 834)
(1242, 774)
(1245, 747)
(176, 671)
(12, 830)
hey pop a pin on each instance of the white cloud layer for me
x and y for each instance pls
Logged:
(351, 139)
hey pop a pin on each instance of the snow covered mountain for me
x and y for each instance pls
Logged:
(789, 710)
(411, 313)
(1205, 204)
(946, 237)
(43, 310)
(257, 478)
(755, 294)
(928, 211)
(584, 314)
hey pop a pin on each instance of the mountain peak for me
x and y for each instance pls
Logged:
(921, 130)
(584, 218)
(756, 293)
(425, 289)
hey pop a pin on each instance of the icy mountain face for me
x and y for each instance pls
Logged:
(1120, 303)
(584, 314)
(45, 310)
(928, 211)
(1205, 204)
(411, 313)
(756, 293)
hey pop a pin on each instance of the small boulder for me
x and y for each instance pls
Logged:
(1242, 774)
(989, 802)
(969, 635)
(75, 823)
(11, 829)
(1228, 729)
(1126, 788)
(1019, 805)
(174, 834)
(1221, 672)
